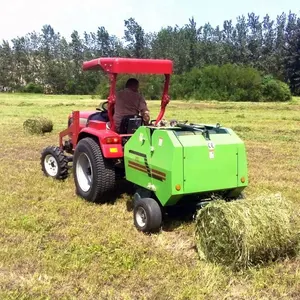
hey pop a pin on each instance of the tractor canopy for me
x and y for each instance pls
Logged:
(118, 65)
(130, 65)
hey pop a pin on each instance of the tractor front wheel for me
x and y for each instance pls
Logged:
(94, 175)
(147, 215)
(54, 163)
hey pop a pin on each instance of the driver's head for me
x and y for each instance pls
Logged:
(132, 84)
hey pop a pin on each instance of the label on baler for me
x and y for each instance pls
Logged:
(211, 149)
(141, 137)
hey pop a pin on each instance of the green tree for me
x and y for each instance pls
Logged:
(135, 39)
(6, 66)
(292, 50)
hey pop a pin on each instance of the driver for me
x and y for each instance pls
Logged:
(130, 102)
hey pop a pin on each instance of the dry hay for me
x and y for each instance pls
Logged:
(248, 232)
(38, 125)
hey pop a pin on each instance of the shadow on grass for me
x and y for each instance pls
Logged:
(122, 187)
(175, 217)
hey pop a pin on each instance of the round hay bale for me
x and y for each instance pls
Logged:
(248, 232)
(38, 125)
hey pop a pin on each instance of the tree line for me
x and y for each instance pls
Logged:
(261, 52)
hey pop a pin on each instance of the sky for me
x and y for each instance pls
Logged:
(19, 17)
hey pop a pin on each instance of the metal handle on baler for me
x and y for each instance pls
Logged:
(204, 132)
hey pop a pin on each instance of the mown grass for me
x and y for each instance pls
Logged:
(54, 245)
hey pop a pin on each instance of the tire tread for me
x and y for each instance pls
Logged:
(104, 172)
(154, 214)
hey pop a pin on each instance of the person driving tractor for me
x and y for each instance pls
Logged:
(130, 102)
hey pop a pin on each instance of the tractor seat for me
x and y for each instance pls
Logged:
(99, 116)
(130, 124)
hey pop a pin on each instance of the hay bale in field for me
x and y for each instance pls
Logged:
(38, 125)
(248, 232)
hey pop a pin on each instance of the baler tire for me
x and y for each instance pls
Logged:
(152, 214)
(54, 163)
(103, 177)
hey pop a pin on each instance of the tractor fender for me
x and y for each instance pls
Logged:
(109, 149)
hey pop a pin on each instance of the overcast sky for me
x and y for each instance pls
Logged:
(18, 17)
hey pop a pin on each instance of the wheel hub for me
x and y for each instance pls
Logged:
(51, 165)
(141, 216)
(84, 172)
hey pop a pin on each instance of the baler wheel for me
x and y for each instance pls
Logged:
(147, 215)
(54, 163)
(94, 175)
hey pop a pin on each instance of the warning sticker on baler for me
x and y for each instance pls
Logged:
(211, 149)
(141, 137)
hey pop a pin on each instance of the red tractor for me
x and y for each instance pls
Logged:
(88, 132)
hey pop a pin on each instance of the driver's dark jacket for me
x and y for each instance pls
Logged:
(128, 102)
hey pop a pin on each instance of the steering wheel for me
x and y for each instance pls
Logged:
(103, 106)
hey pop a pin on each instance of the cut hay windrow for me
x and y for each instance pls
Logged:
(248, 232)
(38, 125)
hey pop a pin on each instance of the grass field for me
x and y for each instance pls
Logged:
(54, 245)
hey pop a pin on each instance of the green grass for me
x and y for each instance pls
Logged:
(57, 246)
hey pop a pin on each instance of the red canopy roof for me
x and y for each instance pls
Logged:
(130, 65)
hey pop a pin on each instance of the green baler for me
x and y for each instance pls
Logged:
(182, 165)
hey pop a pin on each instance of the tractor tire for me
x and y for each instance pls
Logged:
(54, 163)
(147, 215)
(94, 176)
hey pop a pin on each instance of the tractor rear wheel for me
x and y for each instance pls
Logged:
(94, 176)
(54, 163)
(147, 215)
